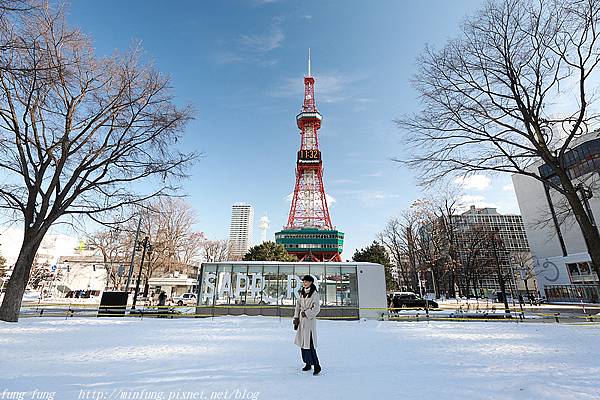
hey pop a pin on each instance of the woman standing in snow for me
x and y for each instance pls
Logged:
(305, 318)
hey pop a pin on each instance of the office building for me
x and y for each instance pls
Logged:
(240, 231)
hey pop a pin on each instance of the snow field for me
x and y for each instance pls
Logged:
(255, 358)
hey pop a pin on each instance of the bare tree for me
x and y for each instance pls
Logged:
(393, 239)
(40, 274)
(488, 97)
(525, 265)
(114, 246)
(169, 224)
(170, 228)
(216, 250)
(11, 6)
(472, 243)
(13, 15)
(78, 135)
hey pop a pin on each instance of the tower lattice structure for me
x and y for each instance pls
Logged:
(309, 233)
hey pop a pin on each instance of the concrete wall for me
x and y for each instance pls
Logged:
(542, 238)
(550, 262)
(553, 270)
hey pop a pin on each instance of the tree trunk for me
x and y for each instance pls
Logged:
(527, 291)
(468, 287)
(451, 290)
(11, 304)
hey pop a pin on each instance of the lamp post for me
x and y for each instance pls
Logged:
(114, 235)
(145, 247)
(435, 288)
(135, 245)
(513, 288)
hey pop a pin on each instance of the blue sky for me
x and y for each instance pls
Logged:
(241, 63)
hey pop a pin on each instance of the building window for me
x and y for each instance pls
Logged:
(581, 273)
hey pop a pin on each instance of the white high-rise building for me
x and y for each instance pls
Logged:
(240, 231)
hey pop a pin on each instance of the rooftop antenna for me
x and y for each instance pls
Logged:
(309, 61)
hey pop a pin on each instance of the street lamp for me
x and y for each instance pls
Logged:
(145, 247)
(135, 245)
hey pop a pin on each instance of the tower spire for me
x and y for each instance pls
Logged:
(309, 61)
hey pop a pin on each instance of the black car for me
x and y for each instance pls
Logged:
(411, 300)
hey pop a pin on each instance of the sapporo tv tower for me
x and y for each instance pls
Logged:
(309, 234)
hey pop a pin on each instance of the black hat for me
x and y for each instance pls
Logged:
(308, 278)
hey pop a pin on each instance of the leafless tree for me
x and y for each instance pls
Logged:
(169, 224)
(524, 263)
(488, 97)
(170, 228)
(114, 246)
(472, 243)
(444, 209)
(11, 6)
(13, 15)
(40, 273)
(216, 250)
(79, 134)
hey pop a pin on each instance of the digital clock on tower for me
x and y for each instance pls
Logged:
(310, 155)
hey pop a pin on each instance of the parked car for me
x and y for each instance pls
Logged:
(186, 299)
(411, 300)
(30, 296)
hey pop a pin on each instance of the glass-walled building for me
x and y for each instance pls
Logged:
(347, 290)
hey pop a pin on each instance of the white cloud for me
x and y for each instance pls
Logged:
(508, 188)
(368, 198)
(263, 2)
(54, 245)
(262, 43)
(329, 87)
(10, 243)
(471, 198)
(477, 182)
(253, 48)
(376, 174)
(227, 57)
(343, 181)
(479, 201)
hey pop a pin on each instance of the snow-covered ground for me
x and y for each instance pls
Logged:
(254, 358)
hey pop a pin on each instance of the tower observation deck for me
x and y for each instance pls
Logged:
(309, 233)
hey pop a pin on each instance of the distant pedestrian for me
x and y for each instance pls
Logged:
(162, 298)
(305, 323)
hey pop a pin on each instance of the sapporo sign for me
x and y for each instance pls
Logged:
(236, 284)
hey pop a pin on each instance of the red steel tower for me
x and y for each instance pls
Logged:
(309, 233)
